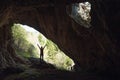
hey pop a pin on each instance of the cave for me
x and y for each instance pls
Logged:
(94, 49)
(28, 42)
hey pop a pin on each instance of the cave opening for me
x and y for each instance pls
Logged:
(28, 43)
(80, 12)
(95, 48)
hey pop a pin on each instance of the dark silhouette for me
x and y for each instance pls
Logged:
(41, 52)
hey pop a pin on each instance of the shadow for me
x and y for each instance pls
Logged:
(10, 71)
(40, 64)
(40, 70)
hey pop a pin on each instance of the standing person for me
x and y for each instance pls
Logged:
(41, 52)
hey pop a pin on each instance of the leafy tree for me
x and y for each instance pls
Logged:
(21, 43)
(55, 55)
(25, 45)
(18, 32)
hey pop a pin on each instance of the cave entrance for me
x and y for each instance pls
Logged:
(80, 13)
(26, 41)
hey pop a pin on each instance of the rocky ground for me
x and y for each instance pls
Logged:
(40, 70)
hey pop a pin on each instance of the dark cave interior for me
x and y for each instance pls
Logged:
(95, 50)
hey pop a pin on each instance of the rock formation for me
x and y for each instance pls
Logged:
(93, 49)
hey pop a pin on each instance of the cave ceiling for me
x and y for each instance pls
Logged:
(92, 48)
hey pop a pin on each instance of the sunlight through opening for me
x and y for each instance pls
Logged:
(27, 41)
(80, 12)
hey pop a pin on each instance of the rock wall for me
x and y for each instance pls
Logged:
(92, 49)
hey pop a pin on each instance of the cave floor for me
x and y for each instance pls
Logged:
(45, 71)
(48, 74)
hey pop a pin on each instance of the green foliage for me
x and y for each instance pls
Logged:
(18, 31)
(22, 45)
(42, 39)
(55, 56)
(26, 42)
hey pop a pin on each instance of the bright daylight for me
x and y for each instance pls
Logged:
(59, 39)
(27, 43)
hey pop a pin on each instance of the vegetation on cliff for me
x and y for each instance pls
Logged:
(25, 43)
